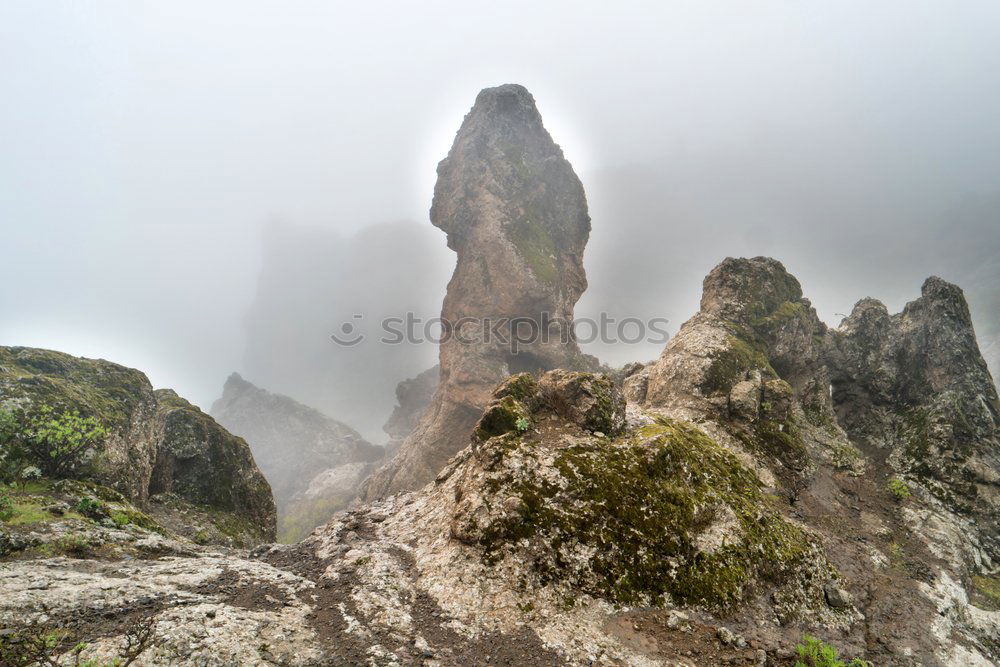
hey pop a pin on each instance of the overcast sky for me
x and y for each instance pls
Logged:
(144, 146)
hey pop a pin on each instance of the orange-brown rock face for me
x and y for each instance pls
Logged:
(516, 215)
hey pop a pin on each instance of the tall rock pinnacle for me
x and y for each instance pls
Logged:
(516, 215)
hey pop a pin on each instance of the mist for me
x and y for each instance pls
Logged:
(195, 189)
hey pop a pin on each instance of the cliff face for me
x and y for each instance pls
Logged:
(516, 215)
(314, 463)
(160, 452)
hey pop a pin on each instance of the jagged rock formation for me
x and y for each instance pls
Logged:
(516, 215)
(914, 390)
(313, 462)
(161, 453)
(413, 396)
(714, 510)
(751, 362)
(849, 425)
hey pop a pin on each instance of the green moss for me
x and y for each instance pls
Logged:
(536, 246)
(769, 321)
(637, 506)
(782, 440)
(521, 386)
(27, 512)
(732, 364)
(501, 417)
(986, 592)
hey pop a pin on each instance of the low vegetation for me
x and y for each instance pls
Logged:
(49, 443)
(813, 652)
(37, 644)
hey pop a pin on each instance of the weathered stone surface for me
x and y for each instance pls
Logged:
(516, 215)
(313, 462)
(158, 444)
(550, 541)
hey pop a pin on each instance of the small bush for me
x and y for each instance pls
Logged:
(522, 424)
(6, 507)
(92, 508)
(898, 488)
(37, 644)
(62, 445)
(74, 545)
(814, 652)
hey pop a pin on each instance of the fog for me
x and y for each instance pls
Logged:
(195, 188)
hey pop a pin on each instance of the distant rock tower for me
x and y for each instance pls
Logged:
(516, 215)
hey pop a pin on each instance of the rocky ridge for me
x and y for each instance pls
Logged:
(314, 463)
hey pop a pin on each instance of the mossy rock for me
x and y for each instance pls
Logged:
(522, 386)
(505, 415)
(621, 520)
(592, 401)
(31, 378)
(203, 463)
(732, 364)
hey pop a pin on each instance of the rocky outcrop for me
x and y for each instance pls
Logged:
(915, 391)
(516, 215)
(751, 363)
(205, 465)
(313, 462)
(160, 452)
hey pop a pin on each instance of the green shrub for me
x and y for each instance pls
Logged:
(522, 424)
(814, 652)
(91, 508)
(6, 507)
(10, 451)
(62, 445)
(74, 545)
(898, 488)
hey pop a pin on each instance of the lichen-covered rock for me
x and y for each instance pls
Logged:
(157, 443)
(314, 463)
(589, 400)
(516, 215)
(120, 398)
